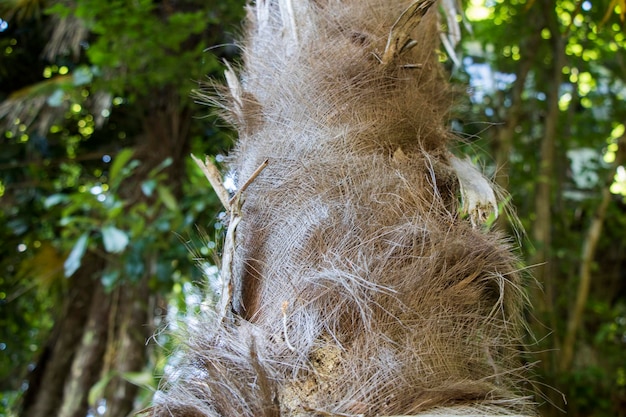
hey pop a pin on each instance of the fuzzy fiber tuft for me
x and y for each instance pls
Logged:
(358, 287)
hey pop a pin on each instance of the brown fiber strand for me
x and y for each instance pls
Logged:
(360, 289)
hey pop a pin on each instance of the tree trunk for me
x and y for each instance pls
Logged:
(45, 394)
(504, 138)
(503, 142)
(543, 298)
(126, 350)
(103, 334)
(587, 257)
(542, 226)
(87, 363)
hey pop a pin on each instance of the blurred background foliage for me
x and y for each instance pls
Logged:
(100, 202)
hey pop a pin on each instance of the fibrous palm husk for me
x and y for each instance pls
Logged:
(354, 284)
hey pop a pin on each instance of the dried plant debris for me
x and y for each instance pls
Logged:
(357, 286)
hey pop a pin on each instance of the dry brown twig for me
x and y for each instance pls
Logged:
(212, 174)
(233, 206)
(399, 38)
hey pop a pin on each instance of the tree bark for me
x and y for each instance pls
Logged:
(46, 384)
(542, 227)
(88, 361)
(540, 261)
(126, 349)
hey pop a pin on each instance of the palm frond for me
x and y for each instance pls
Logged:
(452, 36)
(28, 106)
(21, 9)
(68, 35)
(40, 105)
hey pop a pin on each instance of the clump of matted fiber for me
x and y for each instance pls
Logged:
(353, 284)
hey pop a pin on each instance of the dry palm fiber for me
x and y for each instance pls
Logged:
(358, 288)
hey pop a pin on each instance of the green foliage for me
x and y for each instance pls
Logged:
(598, 377)
(142, 45)
(68, 152)
(509, 37)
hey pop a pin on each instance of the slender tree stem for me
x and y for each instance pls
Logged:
(590, 245)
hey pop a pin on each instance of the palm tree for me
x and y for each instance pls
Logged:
(98, 96)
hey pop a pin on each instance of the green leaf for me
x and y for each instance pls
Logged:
(140, 379)
(114, 208)
(121, 159)
(55, 99)
(147, 187)
(164, 164)
(110, 278)
(68, 220)
(134, 263)
(97, 391)
(59, 9)
(82, 75)
(167, 197)
(72, 263)
(54, 199)
(115, 240)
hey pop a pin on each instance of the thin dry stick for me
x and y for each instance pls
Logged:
(247, 183)
(233, 205)
(213, 175)
(225, 304)
(399, 40)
